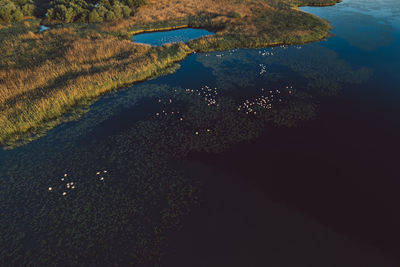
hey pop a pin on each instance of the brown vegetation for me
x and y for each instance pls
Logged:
(83, 69)
(46, 75)
(166, 10)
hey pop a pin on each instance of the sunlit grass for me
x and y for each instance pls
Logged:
(44, 76)
(88, 67)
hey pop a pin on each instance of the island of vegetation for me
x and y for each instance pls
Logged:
(48, 77)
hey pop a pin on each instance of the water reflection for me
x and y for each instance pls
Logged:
(120, 166)
(122, 191)
(367, 25)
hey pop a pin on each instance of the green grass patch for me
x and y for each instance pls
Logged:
(51, 77)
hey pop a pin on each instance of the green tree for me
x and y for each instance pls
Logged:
(94, 17)
(9, 11)
(133, 3)
(68, 10)
(28, 9)
(117, 10)
(110, 16)
(105, 3)
(69, 15)
(102, 11)
(126, 11)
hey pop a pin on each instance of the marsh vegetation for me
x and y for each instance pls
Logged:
(51, 76)
(145, 192)
(114, 186)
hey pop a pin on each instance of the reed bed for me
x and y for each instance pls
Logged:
(35, 96)
(44, 76)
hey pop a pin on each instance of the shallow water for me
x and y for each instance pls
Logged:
(168, 37)
(43, 28)
(257, 155)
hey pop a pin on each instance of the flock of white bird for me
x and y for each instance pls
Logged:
(264, 101)
(263, 69)
(70, 185)
(210, 96)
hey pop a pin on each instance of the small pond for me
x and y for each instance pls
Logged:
(43, 28)
(166, 37)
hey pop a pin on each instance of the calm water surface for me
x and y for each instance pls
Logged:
(282, 156)
(43, 28)
(167, 37)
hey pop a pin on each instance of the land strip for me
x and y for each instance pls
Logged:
(51, 77)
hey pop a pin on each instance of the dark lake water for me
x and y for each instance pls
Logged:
(284, 156)
(167, 37)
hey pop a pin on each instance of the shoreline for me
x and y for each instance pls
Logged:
(18, 132)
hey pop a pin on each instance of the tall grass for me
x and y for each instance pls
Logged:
(31, 98)
(44, 76)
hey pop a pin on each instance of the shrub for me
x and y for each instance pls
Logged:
(94, 17)
(236, 15)
(28, 10)
(126, 11)
(68, 10)
(110, 16)
(9, 11)
(134, 3)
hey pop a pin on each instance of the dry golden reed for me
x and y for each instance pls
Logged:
(45, 75)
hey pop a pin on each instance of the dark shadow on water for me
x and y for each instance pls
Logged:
(281, 156)
(124, 120)
(336, 169)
